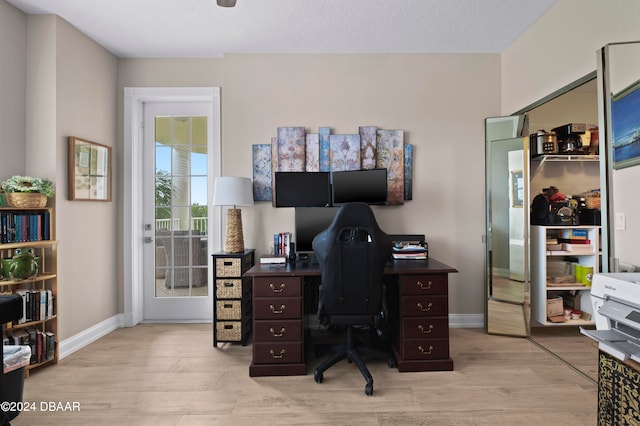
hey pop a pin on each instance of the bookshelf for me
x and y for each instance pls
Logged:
(32, 228)
(544, 256)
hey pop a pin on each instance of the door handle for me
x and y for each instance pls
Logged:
(148, 240)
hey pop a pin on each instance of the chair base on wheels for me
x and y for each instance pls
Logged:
(353, 355)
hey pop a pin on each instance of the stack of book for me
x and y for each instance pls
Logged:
(42, 344)
(410, 251)
(282, 244)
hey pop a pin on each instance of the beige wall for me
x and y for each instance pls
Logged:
(440, 102)
(71, 91)
(561, 47)
(13, 80)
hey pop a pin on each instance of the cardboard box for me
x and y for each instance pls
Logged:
(555, 309)
(572, 300)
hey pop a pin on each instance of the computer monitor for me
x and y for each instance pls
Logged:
(302, 189)
(365, 186)
(309, 222)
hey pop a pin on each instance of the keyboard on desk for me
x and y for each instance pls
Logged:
(306, 261)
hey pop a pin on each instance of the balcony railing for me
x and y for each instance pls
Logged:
(197, 223)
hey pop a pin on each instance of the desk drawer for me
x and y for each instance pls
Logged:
(425, 349)
(277, 286)
(424, 305)
(277, 331)
(423, 284)
(277, 308)
(425, 327)
(277, 353)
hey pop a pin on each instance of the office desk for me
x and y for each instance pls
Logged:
(417, 307)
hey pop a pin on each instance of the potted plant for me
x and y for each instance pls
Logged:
(27, 191)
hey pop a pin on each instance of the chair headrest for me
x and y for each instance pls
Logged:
(355, 214)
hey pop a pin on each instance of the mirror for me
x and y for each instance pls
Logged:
(507, 170)
(508, 310)
(618, 68)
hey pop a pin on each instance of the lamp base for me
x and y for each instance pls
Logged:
(234, 240)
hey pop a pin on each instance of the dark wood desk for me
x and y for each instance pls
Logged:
(418, 313)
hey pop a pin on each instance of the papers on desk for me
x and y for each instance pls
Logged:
(410, 251)
(273, 259)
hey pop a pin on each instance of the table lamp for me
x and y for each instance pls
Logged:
(233, 191)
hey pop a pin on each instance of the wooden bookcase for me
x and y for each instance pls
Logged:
(40, 324)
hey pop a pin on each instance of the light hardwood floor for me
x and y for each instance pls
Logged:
(169, 374)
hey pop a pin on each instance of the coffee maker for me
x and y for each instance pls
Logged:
(569, 139)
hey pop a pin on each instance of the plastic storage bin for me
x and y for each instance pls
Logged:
(14, 361)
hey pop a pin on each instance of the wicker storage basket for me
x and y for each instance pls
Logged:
(25, 200)
(228, 310)
(228, 267)
(229, 288)
(229, 331)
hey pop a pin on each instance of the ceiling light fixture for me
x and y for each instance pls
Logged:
(227, 3)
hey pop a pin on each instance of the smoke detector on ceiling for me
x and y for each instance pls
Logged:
(226, 3)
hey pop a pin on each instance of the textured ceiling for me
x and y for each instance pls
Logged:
(200, 28)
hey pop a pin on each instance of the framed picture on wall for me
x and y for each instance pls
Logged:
(89, 168)
(625, 124)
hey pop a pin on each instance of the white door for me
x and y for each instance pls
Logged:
(177, 157)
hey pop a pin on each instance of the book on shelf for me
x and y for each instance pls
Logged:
(577, 248)
(579, 234)
(272, 259)
(33, 343)
(50, 346)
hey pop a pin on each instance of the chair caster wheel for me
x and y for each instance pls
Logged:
(317, 376)
(368, 389)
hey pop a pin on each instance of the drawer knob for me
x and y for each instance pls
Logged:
(277, 290)
(277, 334)
(426, 352)
(277, 311)
(423, 308)
(227, 284)
(425, 330)
(274, 356)
(424, 286)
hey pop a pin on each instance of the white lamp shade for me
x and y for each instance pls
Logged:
(232, 191)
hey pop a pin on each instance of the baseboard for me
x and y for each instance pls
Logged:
(90, 335)
(466, 321)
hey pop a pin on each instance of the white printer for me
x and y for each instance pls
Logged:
(615, 298)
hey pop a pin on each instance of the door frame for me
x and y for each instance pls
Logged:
(133, 227)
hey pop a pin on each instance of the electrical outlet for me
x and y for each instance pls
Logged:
(621, 221)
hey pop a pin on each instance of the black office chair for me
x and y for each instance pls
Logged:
(352, 254)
